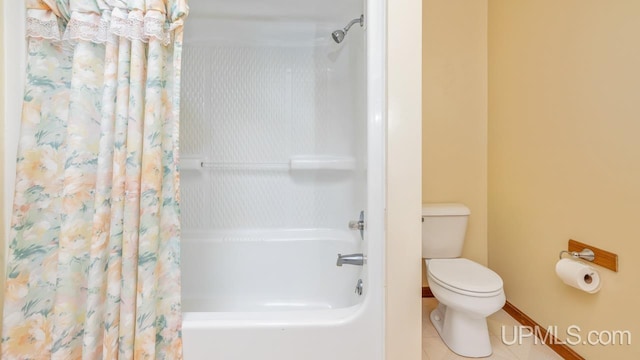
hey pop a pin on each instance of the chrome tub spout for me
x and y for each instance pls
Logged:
(351, 259)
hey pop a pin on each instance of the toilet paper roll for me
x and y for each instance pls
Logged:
(578, 275)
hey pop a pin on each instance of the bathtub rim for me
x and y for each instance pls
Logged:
(270, 319)
(270, 234)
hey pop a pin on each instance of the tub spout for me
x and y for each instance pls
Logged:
(351, 259)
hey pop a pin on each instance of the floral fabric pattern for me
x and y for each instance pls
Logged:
(94, 254)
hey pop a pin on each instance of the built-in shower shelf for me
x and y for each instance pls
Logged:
(296, 163)
(322, 162)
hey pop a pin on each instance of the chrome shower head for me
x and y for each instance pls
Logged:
(339, 35)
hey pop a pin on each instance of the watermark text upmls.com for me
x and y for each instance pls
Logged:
(574, 335)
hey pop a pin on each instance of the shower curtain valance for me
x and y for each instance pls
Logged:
(101, 21)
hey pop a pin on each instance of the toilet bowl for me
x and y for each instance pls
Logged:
(467, 293)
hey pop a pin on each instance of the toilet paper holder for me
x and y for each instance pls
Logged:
(585, 254)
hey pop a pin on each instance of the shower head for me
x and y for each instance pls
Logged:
(339, 35)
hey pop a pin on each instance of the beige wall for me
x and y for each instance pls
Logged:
(2, 232)
(564, 157)
(454, 149)
(403, 303)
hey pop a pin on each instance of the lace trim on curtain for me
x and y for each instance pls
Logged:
(156, 26)
(82, 26)
(42, 24)
(134, 25)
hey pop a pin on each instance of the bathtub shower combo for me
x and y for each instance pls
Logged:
(282, 148)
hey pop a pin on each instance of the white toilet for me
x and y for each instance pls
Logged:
(467, 291)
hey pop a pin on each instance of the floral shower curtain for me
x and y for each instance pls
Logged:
(93, 265)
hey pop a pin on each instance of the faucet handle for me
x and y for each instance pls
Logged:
(358, 225)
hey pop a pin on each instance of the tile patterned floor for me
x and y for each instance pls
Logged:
(434, 349)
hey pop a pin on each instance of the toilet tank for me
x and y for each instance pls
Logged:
(443, 230)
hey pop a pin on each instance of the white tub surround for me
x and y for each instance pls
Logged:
(282, 142)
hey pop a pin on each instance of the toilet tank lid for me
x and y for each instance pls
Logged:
(445, 209)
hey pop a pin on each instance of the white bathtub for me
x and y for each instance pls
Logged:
(269, 294)
(268, 270)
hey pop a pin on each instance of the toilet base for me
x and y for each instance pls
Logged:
(465, 335)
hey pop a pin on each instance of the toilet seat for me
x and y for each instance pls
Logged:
(465, 277)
